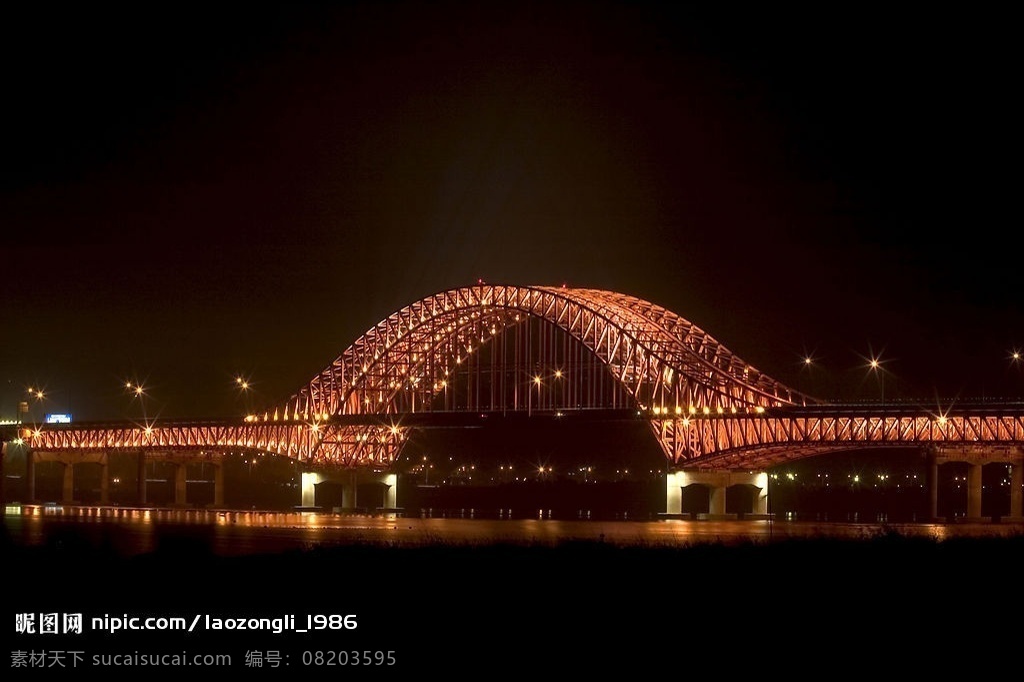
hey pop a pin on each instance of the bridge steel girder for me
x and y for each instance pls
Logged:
(744, 442)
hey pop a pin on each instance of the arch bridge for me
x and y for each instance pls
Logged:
(550, 352)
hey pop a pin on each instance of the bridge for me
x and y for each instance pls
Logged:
(546, 352)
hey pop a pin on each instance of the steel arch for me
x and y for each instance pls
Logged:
(401, 365)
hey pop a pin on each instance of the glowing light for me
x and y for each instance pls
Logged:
(536, 380)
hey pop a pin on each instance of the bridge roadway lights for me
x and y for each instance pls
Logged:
(718, 482)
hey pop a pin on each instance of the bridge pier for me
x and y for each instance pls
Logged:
(349, 482)
(105, 478)
(140, 469)
(976, 458)
(68, 460)
(718, 483)
(3, 476)
(1017, 491)
(307, 486)
(180, 484)
(67, 495)
(218, 484)
(30, 476)
(974, 491)
(350, 492)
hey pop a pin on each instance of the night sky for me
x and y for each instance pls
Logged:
(190, 193)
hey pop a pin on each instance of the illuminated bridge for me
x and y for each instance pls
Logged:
(546, 353)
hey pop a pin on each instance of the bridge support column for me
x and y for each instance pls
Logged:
(105, 478)
(67, 495)
(308, 486)
(716, 501)
(140, 468)
(674, 493)
(761, 501)
(3, 476)
(390, 492)
(350, 491)
(1017, 491)
(974, 491)
(933, 486)
(218, 485)
(181, 484)
(30, 476)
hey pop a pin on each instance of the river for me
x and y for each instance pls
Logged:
(134, 531)
(455, 595)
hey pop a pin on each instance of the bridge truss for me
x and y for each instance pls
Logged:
(546, 350)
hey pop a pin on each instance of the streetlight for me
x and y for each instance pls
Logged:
(37, 395)
(137, 390)
(874, 364)
(245, 386)
(529, 401)
(807, 365)
(876, 368)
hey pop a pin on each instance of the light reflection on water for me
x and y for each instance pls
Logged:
(130, 531)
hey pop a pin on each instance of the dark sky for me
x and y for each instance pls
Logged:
(192, 192)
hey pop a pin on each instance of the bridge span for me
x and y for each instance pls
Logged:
(552, 353)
